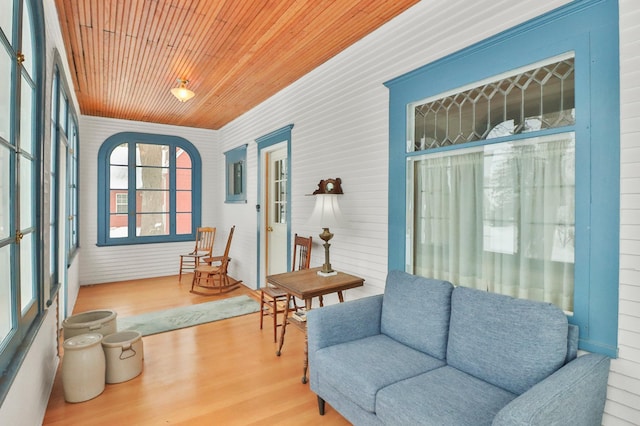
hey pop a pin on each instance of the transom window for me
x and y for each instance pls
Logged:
(525, 101)
(150, 189)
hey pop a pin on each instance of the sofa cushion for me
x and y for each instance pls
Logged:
(444, 396)
(415, 311)
(511, 343)
(360, 368)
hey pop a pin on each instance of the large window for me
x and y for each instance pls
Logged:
(504, 167)
(63, 195)
(498, 216)
(21, 67)
(149, 189)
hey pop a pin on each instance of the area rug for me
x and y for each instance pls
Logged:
(188, 316)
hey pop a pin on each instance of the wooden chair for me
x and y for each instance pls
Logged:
(205, 237)
(272, 299)
(212, 276)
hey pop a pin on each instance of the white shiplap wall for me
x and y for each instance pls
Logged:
(340, 117)
(623, 405)
(118, 263)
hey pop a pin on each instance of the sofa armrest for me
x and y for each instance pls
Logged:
(343, 322)
(575, 394)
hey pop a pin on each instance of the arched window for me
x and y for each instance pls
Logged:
(148, 189)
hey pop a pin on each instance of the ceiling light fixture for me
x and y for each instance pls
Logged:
(181, 92)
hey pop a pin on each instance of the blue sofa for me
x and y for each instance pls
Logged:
(426, 353)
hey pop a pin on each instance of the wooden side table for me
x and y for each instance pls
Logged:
(307, 284)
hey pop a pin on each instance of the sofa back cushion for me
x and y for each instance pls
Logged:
(415, 312)
(511, 343)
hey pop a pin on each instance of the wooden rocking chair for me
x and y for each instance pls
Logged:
(205, 237)
(212, 276)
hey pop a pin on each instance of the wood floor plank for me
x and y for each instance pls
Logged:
(219, 373)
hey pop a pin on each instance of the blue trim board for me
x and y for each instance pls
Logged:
(236, 155)
(589, 28)
(280, 135)
(103, 187)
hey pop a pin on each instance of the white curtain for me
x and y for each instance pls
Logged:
(499, 217)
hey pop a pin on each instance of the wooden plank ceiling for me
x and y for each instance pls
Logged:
(125, 55)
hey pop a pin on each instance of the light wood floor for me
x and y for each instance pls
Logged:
(220, 373)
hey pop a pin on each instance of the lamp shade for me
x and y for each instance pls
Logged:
(326, 213)
(181, 92)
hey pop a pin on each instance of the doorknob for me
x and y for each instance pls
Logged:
(269, 229)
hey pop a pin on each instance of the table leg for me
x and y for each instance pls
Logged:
(305, 363)
(284, 325)
(340, 297)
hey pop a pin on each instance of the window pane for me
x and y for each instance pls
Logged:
(5, 93)
(118, 226)
(152, 224)
(26, 117)
(120, 155)
(27, 190)
(5, 210)
(183, 160)
(62, 112)
(183, 179)
(183, 201)
(27, 41)
(499, 218)
(118, 177)
(183, 223)
(6, 18)
(152, 155)
(5, 292)
(27, 266)
(152, 201)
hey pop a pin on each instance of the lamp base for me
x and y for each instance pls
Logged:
(327, 274)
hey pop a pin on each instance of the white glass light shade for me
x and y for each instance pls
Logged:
(181, 92)
(326, 213)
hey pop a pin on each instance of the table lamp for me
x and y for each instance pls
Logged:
(327, 214)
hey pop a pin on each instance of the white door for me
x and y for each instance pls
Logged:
(277, 202)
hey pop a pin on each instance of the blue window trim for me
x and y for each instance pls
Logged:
(232, 157)
(103, 188)
(589, 28)
(281, 135)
